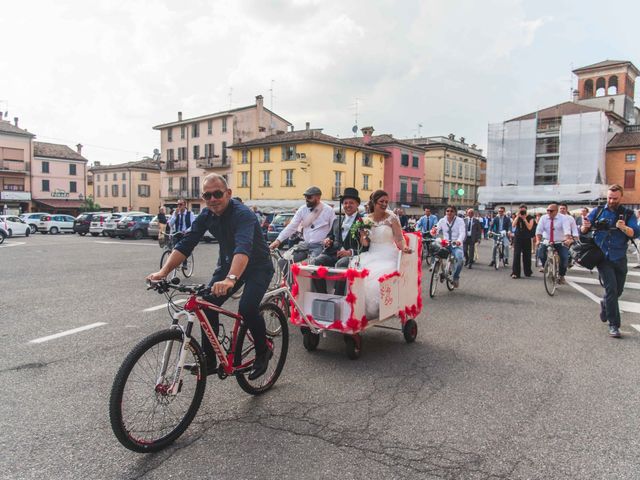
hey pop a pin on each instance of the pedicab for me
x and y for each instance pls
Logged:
(317, 313)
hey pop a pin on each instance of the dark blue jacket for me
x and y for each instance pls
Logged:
(497, 226)
(613, 243)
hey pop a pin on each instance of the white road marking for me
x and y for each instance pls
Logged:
(7, 245)
(637, 327)
(584, 291)
(164, 305)
(140, 244)
(595, 281)
(630, 307)
(595, 272)
(67, 332)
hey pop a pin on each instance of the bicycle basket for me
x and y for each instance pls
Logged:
(442, 252)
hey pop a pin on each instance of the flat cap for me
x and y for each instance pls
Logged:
(312, 191)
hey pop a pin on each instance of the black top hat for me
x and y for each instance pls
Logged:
(350, 192)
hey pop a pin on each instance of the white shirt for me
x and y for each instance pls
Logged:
(561, 227)
(458, 233)
(319, 228)
(572, 225)
(173, 221)
(346, 225)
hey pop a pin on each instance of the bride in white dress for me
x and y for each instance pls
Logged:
(384, 241)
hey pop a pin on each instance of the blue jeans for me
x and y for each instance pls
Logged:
(563, 253)
(458, 256)
(613, 275)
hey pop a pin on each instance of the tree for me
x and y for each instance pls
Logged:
(89, 205)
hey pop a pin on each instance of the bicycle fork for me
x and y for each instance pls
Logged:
(174, 389)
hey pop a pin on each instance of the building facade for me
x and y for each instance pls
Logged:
(623, 156)
(127, 187)
(16, 157)
(274, 171)
(453, 171)
(191, 148)
(58, 178)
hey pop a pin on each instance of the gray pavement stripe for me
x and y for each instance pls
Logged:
(7, 245)
(164, 305)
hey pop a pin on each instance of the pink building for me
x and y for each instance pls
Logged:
(403, 169)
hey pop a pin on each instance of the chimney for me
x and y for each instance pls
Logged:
(307, 126)
(79, 148)
(367, 132)
(179, 116)
(96, 164)
(452, 136)
(473, 145)
(15, 121)
(612, 105)
(462, 140)
(260, 114)
(575, 95)
(291, 128)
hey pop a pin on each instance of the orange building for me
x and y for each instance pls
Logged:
(623, 155)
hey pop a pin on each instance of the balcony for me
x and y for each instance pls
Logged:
(418, 199)
(209, 163)
(172, 193)
(14, 166)
(175, 165)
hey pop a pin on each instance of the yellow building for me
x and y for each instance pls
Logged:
(281, 167)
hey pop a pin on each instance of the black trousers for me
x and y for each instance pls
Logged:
(521, 253)
(469, 249)
(330, 261)
(613, 275)
(255, 284)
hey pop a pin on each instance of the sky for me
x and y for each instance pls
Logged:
(104, 72)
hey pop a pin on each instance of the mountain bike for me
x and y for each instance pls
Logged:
(443, 267)
(499, 255)
(170, 241)
(160, 385)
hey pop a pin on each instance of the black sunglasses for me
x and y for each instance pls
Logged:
(217, 194)
(450, 211)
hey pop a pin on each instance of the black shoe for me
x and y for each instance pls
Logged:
(603, 312)
(492, 263)
(260, 364)
(466, 262)
(212, 368)
(506, 263)
(614, 332)
(470, 266)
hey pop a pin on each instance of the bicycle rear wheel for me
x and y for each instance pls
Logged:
(277, 337)
(550, 276)
(144, 416)
(187, 266)
(163, 260)
(435, 279)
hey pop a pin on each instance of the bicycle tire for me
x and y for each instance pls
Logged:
(435, 279)
(449, 281)
(163, 260)
(549, 277)
(118, 400)
(282, 302)
(188, 270)
(277, 331)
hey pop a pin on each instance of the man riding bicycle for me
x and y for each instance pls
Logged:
(244, 259)
(500, 223)
(453, 230)
(554, 228)
(425, 224)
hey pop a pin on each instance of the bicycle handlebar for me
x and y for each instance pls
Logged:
(163, 286)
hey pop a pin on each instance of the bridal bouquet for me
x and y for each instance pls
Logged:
(361, 225)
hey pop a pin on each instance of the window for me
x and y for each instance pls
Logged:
(454, 168)
(208, 150)
(106, 191)
(45, 167)
(145, 209)
(115, 176)
(196, 152)
(98, 193)
(404, 160)
(630, 157)
(170, 156)
(195, 130)
(124, 209)
(472, 170)
(124, 176)
(549, 145)
(183, 183)
(72, 169)
(546, 170)
(224, 125)
(630, 179)
(266, 155)
(182, 153)
(466, 171)
(195, 187)
(170, 134)
(182, 132)
(224, 152)
(288, 152)
(144, 191)
(170, 184)
(195, 208)
(143, 177)
(288, 178)
(339, 155)
(98, 177)
(403, 190)
(366, 159)
(460, 170)
(73, 187)
(209, 127)
(245, 156)
(446, 167)
(365, 182)
(266, 178)
(124, 189)
(114, 190)
(337, 188)
(244, 179)
(45, 185)
(416, 161)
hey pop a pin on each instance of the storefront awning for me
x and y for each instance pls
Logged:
(59, 203)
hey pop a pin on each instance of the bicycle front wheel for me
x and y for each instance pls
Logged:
(278, 340)
(448, 275)
(550, 276)
(435, 279)
(187, 266)
(145, 416)
(163, 260)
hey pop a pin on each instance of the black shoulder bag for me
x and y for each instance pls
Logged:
(586, 252)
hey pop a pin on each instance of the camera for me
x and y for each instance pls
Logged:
(601, 225)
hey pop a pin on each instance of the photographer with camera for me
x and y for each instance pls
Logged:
(614, 225)
(523, 231)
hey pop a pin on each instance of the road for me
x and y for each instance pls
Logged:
(502, 382)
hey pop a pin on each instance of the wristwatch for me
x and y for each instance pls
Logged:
(232, 277)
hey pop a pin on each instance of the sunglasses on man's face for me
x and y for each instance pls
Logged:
(450, 211)
(550, 211)
(217, 194)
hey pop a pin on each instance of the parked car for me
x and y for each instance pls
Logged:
(3, 232)
(82, 223)
(111, 224)
(55, 224)
(15, 226)
(278, 223)
(134, 225)
(33, 219)
(98, 222)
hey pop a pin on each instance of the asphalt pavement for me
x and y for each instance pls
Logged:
(503, 381)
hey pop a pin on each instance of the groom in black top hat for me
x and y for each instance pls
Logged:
(340, 246)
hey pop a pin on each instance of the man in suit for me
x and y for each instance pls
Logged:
(340, 246)
(500, 223)
(474, 234)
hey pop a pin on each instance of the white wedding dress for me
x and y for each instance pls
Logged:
(380, 259)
